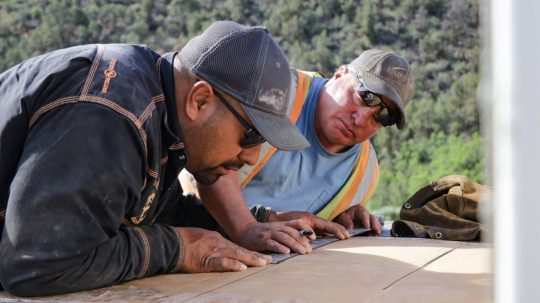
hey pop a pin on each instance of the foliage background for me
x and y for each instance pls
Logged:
(439, 38)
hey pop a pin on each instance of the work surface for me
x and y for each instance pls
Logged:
(361, 269)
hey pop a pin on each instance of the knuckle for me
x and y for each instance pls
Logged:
(207, 264)
(301, 221)
(270, 244)
(239, 253)
(214, 263)
(215, 234)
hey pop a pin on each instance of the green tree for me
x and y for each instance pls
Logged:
(439, 38)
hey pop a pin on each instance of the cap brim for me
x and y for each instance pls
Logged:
(381, 87)
(279, 131)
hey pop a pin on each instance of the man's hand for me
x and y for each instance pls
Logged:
(225, 202)
(206, 251)
(280, 237)
(358, 216)
(320, 225)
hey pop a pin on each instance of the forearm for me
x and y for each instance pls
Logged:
(225, 201)
(134, 252)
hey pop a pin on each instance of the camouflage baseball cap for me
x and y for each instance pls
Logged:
(388, 74)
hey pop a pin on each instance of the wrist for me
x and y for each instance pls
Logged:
(262, 214)
(273, 216)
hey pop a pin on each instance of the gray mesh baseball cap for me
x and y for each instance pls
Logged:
(247, 64)
(386, 73)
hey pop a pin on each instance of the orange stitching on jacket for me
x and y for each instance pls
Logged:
(116, 107)
(123, 112)
(109, 74)
(176, 146)
(179, 263)
(98, 100)
(2, 214)
(146, 244)
(147, 112)
(46, 108)
(107, 103)
(92, 72)
(152, 173)
(158, 98)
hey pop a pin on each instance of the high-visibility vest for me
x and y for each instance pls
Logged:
(362, 180)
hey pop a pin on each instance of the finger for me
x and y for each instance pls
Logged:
(250, 258)
(292, 239)
(364, 217)
(247, 257)
(333, 228)
(375, 225)
(299, 224)
(267, 258)
(299, 229)
(221, 263)
(275, 246)
(345, 220)
(308, 233)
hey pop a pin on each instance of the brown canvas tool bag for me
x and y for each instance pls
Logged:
(445, 209)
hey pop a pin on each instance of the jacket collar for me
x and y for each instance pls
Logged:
(166, 71)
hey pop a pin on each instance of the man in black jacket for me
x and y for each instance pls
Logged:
(92, 139)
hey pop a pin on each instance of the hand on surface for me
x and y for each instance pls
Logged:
(320, 225)
(280, 237)
(207, 251)
(358, 216)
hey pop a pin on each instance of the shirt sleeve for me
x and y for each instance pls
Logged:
(81, 170)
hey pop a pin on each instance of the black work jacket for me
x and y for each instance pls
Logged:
(89, 155)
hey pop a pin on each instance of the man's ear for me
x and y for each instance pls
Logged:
(342, 70)
(200, 101)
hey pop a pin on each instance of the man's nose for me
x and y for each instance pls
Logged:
(250, 155)
(363, 114)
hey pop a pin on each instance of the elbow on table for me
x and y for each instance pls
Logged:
(25, 280)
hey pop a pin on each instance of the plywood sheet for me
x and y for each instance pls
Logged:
(462, 275)
(164, 288)
(356, 270)
(365, 269)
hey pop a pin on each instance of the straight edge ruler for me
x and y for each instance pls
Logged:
(278, 258)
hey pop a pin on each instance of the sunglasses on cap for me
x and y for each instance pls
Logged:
(253, 138)
(370, 99)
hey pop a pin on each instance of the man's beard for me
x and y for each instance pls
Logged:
(209, 176)
(206, 177)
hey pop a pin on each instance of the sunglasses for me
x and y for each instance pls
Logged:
(370, 99)
(253, 138)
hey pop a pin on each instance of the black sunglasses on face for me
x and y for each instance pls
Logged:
(370, 99)
(253, 138)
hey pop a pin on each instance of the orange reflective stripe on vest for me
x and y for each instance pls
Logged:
(344, 198)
